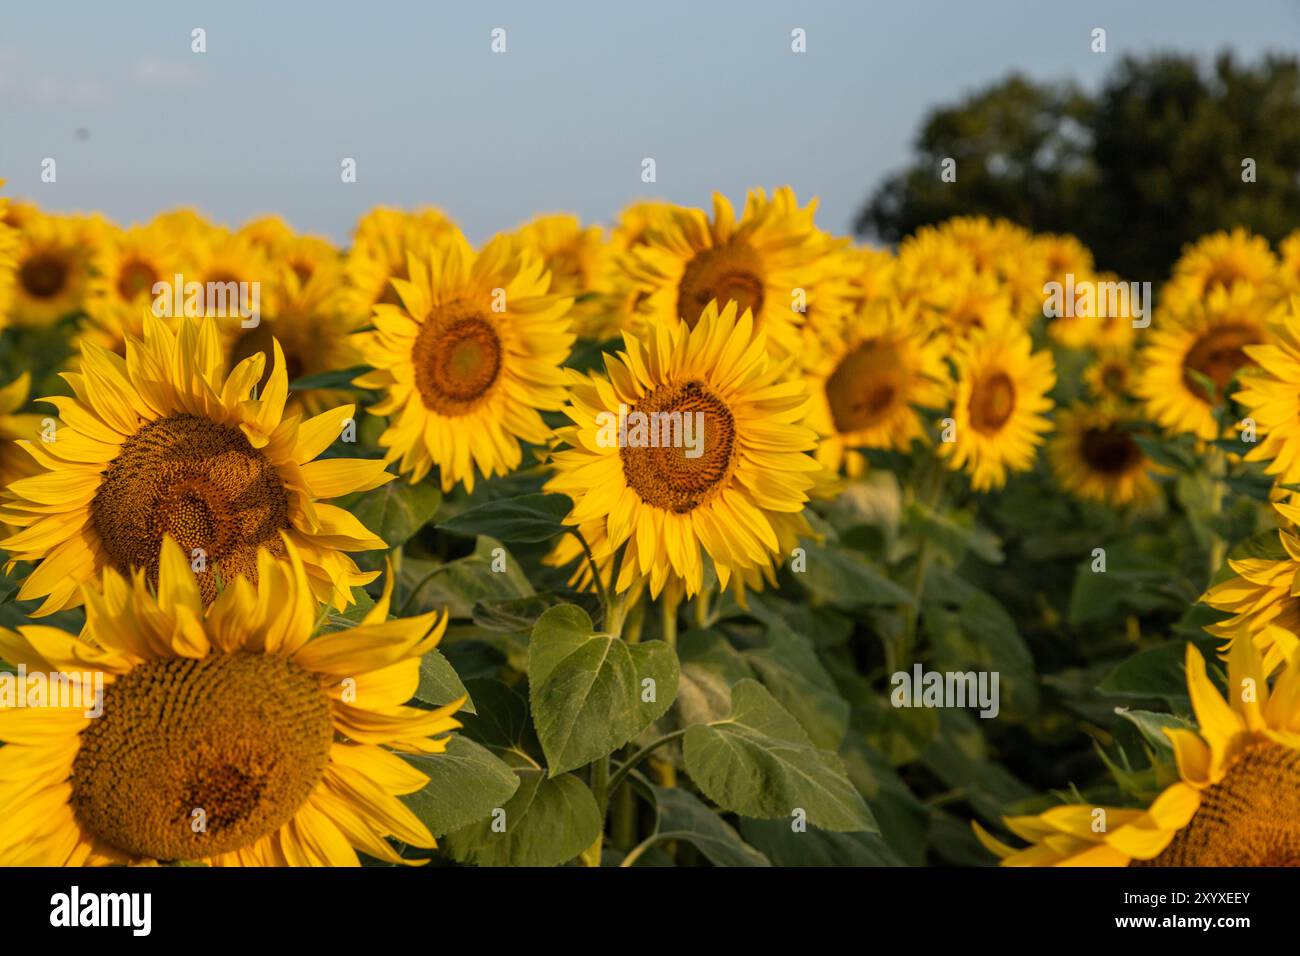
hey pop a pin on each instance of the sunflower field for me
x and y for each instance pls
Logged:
(702, 538)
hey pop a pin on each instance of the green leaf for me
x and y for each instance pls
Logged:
(439, 683)
(523, 520)
(335, 379)
(548, 821)
(846, 579)
(959, 757)
(1158, 673)
(396, 511)
(788, 666)
(813, 847)
(954, 532)
(501, 723)
(587, 688)
(461, 584)
(519, 615)
(466, 783)
(1153, 726)
(683, 816)
(759, 762)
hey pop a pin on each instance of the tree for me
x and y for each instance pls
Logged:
(1153, 161)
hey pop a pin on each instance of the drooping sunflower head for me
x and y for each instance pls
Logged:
(1096, 457)
(1190, 360)
(164, 442)
(765, 263)
(1237, 800)
(382, 246)
(52, 267)
(999, 406)
(865, 389)
(227, 731)
(467, 360)
(126, 267)
(690, 448)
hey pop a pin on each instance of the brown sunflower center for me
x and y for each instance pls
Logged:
(44, 275)
(865, 386)
(192, 758)
(1114, 377)
(992, 401)
(679, 475)
(726, 273)
(135, 278)
(1217, 355)
(199, 481)
(1249, 818)
(457, 358)
(1111, 450)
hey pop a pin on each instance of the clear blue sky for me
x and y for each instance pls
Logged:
(709, 88)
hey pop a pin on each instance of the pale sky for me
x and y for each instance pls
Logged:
(561, 121)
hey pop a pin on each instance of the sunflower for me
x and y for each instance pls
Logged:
(467, 360)
(1110, 376)
(126, 266)
(52, 267)
(1096, 457)
(229, 734)
(383, 243)
(1209, 341)
(1220, 261)
(1261, 598)
(8, 243)
(309, 323)
(736, 492)
(1236, 802)
(163, 442)
(865, 388)
(872, 275)
(225, 257)
(998, 416)
(15, 426)
(1270, 395)
(969, 301)
(581, 265)
(1289, 268)
(760, 263)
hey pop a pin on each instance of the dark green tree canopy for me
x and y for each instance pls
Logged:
(1153, 161)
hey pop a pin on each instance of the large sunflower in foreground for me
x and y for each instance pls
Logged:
(164, 442)
(467, 360)
(1096, 457)
(229, 734)
(999, 411)
(735, 493)
(52, 268)
(1261, 597)
(688, 260)
(1237, 802)
(1209, 341)
(866, 386)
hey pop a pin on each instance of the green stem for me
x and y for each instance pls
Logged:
(635, 853)
(410, 598)
(668, 606)
(601, 590)
(627, 766)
